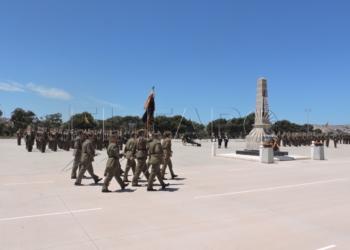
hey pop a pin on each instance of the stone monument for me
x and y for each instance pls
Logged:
(262, 126)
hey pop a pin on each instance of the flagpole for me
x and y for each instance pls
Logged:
(154, 101)
(103, 121)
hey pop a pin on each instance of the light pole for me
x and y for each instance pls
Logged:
(69, 116)
(308, 110)
(71, 119)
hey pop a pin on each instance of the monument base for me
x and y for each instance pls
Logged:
(257, 135)
(256, 152)
(266, 155)
(318, 153)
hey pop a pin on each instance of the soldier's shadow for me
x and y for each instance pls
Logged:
(125, 191)
(178, 179)
(158, 184)
(180, 184)
(96, 184)
(168, 190)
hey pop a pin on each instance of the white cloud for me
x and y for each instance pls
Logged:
(49, 92)
(12, 86)
(104, 102)
(17, 84)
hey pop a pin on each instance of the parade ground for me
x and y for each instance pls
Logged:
(214, 203)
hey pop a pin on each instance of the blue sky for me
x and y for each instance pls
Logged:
(198, 54)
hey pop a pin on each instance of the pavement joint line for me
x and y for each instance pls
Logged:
(215, 220)
(41, 215)
(273, 188)
(74, 216)
(329, 247)
(10, 184)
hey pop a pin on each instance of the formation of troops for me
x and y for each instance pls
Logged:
(305, 139)
(147, 153)
(297, 139)
(64, 139)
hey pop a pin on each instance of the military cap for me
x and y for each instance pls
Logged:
(167, 133)
(140, 131)
(89, 134)
(158, 134)
(133, 134)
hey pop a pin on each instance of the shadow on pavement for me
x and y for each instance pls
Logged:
(178, 179)
(169, 185)
(125, 191)
(168, 190)
(93, 184)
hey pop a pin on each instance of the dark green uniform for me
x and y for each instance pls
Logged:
(68, 140)
(141, 155)
(59, 139)
(55, 140)
(130, 152)
(113, 166)
(157, 154)
(284, 139)
(94, 140)
(29, 138)
(43, 140)
(77, 156)
(38, 139)
(167, 161)
(327, 140)
(335, 140)
(99, 137)
(19, 137)
(87, 157)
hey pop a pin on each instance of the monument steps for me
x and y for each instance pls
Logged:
(257, 158)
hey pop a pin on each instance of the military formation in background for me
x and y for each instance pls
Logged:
(297, 139)
(145, 153)
(306, 139)
(64, 139)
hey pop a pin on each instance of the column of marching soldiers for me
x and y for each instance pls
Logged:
(139, 146)
(298, 139)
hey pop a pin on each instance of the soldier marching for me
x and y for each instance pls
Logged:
(135, 147)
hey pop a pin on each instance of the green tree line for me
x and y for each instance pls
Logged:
(236, 127)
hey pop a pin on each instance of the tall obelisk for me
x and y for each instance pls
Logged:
(262, 125)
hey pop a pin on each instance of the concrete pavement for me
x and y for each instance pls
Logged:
(215, 203)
